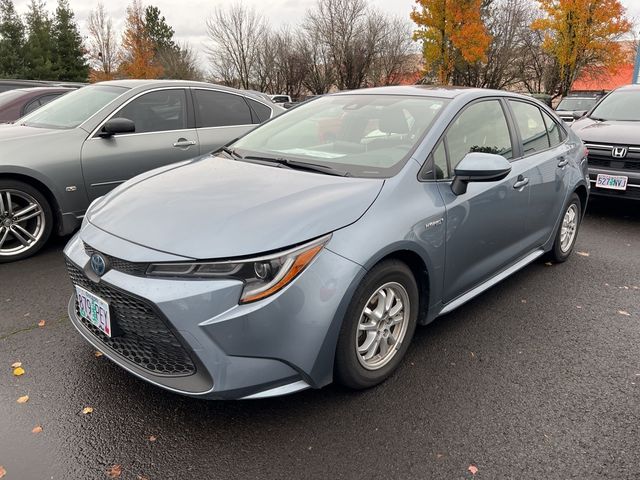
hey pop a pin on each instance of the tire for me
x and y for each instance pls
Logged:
(22, 238)
(561, 251)
(352, 369)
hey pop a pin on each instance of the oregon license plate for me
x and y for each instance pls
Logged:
(94, 309)
(613, 182)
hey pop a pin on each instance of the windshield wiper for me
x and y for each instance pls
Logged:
(296, 164)
(229, 151)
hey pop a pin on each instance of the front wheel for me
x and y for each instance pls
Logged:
(26, 220)
(378, 327)
(567, 231)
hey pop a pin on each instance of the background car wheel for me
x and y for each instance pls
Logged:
(378, 327)
(26, 220)
(567, 231)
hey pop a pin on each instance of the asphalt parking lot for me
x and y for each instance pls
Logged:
(537, 378)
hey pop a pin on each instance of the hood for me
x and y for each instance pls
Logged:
(607, 132)
(14, 131)
(218, 208)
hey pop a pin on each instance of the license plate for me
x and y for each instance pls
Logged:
(94, 309)
(612, 182)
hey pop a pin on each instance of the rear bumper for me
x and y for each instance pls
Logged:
(633, 185)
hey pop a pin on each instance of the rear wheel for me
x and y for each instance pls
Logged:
(26, 220)
(378, 327)
(567, 231)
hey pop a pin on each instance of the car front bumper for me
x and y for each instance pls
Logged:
(633, 184)
(192, 337)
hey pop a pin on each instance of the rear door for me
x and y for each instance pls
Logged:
(485, 226)
(544, 152)
(164, 134)
(222, 117)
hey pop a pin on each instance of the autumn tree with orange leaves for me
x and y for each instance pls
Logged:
(138, 49)
(450, 30)
(581, 33)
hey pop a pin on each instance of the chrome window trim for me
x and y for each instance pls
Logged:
(93, 136)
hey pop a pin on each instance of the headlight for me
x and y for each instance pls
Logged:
(262, 276)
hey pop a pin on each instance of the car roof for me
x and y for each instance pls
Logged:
(138, 83)
(432, 91)
(44, 89)
(627, 88)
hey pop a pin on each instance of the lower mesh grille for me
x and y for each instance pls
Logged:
(140, 335)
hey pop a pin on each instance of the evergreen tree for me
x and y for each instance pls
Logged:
(68, 52)
(38, 51)
(11, 41)
(158, 30)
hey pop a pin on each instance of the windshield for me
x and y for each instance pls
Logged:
(576, 104)
(620, 105)
(363, 135)
(74, 108)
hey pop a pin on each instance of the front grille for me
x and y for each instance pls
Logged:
(600, 157)
(139, 333)
(124, 266)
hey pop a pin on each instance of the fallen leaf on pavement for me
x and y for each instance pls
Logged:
(3, 472)
(98, 353)
(41, 323)
(87, 410)
(473, 469)
(114, 471)
(16, 364)
(23, 399)
(152, 438)
(18, 371)
(583, 254)
(625, 313)
(141, 477)
(548, 264)
(578, 306)
(37, 429)
(523, 301)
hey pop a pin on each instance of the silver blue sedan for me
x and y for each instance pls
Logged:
(308, 250)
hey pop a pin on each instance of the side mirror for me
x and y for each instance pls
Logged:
(578, 114)
(117, 125)
(479, 167)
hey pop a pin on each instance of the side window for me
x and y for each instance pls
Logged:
(482, 127)
(531, 125)
(218, 109)
(157, 111)
(440, 162)
(261, 110)
(31, 106)
(555, 132)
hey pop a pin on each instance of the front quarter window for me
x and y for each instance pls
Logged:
(74, 108)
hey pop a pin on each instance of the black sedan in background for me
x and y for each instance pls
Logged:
(611, 132)
(17, 103)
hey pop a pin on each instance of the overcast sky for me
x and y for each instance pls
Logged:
(188, 17)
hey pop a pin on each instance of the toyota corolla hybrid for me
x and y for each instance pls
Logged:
(304, 253)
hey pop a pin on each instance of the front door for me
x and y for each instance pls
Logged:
(164, 134)
(485, 225)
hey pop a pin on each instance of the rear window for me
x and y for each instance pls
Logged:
(219, 109)
(261, 110)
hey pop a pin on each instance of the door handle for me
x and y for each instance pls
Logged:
(563, 162)
(521, 182)
(184, 143)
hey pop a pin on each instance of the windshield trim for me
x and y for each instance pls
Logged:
(354, 170)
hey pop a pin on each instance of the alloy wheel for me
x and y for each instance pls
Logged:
(569, 228)
(382, 325)
(22, 222)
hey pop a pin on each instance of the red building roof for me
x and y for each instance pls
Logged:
(596, 80)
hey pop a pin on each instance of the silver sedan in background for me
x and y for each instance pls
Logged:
(55, 161)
